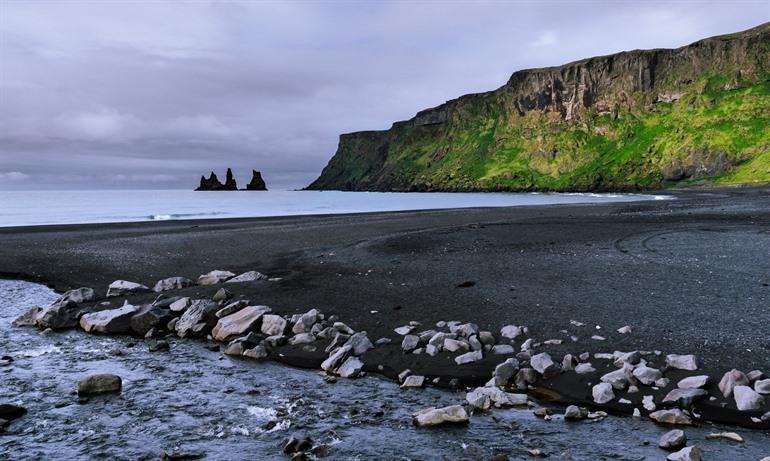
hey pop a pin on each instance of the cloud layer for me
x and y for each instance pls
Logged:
(153, 94)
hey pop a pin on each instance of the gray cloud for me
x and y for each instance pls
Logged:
(153, 94)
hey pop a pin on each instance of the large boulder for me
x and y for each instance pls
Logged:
(112, 321)
(746, 399)
(335, 358)
(453, 414)
(273, 325)
(239, 323)
(543, 364)
(28, 318)
(684, 398)
(504, 372)
(76, 296)
(197, 318)
(172, 283)
(214, 277)
(359, 342)
(149, 316)
(731, 379)
(99, 384)
(693, 382)
(250, 276)
(303, 323)
(124, 287)
(602, 393)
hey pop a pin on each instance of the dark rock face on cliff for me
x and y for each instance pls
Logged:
(257, 183)
(213, 184)
(633, 120)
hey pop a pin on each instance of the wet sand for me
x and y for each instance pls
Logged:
(690, 275)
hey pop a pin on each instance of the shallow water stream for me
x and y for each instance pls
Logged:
(195, 400)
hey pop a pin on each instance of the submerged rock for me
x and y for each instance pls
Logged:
(453, 414)
(692, 453)
(99, 384)
(28, 318)
(9, 412)
(672, 440)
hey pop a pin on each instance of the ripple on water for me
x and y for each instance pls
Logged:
(192, 399)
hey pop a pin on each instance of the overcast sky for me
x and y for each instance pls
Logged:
(151, 94)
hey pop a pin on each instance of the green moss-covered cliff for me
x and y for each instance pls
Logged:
(633, 120)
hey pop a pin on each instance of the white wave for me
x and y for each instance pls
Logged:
(49, 349)
(265, 414)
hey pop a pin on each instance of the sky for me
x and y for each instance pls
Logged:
(152, 94)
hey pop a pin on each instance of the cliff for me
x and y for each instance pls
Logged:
(633, 120)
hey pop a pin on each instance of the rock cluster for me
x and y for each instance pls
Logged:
(213, 184)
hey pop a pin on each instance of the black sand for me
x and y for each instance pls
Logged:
(690, 275)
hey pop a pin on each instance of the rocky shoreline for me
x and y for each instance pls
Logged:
(666, 388)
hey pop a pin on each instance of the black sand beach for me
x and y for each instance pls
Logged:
(689, 276)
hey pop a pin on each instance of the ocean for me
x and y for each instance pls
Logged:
(25, 208)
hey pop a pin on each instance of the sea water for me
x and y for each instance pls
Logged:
(23, 208)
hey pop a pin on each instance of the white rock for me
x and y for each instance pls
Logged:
(746, 399)
(124, 287)
(410, 343)
(617, 379)
(648, 402)
(404, 330)
(302, 338)
(109, 321)
(762, 386)
(214, 277)
(671, 416)
(682, 362)
(336, 358)
(510, 332)
(250, 276)
(647, 375)
(351, 367)
(731, 379)
(725, 435)
(692, 453)
(455, 345)
(304, 323)
(413, 381)
(543, 364)
(584, 368)
(180, 304)
(693, 382)
(434, 416)
(598, 338)
(496, 396)
(505, 371)
(469, 357)
(672, 440)
(273, 325)
(624, 330)
(602, 393)
(502, 349)
(239, 323)
(172, 283)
